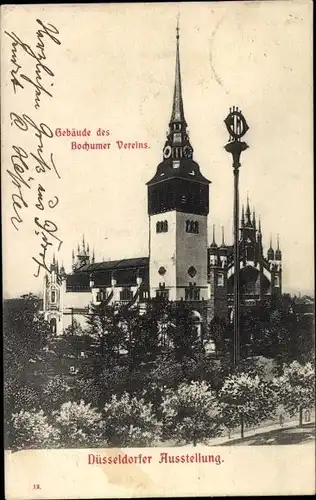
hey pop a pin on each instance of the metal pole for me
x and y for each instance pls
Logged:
(236, 266)
(237, 127)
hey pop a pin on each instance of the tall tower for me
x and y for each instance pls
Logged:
(178, 206)
(53, 297)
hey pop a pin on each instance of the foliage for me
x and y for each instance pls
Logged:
(296, 388)
(31, 429)
(105, 328)
(26, 333)
(129, 421)
(191, 413)
(246, 400)
(78, 424)
(55, 392)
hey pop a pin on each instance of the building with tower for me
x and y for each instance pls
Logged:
(181, 264)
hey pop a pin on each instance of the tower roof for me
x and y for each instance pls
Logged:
(177, 114)
(178, 152)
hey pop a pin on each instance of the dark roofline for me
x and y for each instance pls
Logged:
(110, 265)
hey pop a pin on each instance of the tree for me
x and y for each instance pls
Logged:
(246, 400)
(297, 388)
(78, 424)
(55, 392)
(184, 334)
(26, 333)
(129, 421)
(31, 429)
(105, 327)
(191, 413)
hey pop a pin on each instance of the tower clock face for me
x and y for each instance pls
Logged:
(187, 152)
(167, 152)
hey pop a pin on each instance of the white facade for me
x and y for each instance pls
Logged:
(178, 257)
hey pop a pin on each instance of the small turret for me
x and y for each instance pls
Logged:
(248, 214)
(254, 220)
(243, 216)
(213, 250)
(213, 245)
(270, 253)
(223, 248)
(278, 253)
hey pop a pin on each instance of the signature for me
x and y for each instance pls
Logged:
(31, 165)
(20, 161)
(47, 233)
(47, 31)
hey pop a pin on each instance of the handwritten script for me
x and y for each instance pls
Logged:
(32, 160)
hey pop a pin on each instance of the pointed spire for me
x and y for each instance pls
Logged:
(78, 248)
(278, 253)
(242, 216)
(73, 254)
(248, 216)
(83, 243)
(223, 237)
(270, 253)
(177, 106)
(93, 257)
(213, 244)
(254, 219)
(259, 228)
(88, 248)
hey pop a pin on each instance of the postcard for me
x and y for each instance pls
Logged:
(157, 215)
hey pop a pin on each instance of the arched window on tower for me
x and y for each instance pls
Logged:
(158, 227)
(196, 227)
(53, 296)
(53, 325)
(220, 279)
(165, 226)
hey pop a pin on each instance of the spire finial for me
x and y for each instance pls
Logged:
(177, 106)
(270, 240)
(83, 242)
(213, 235)
(259, 228)
(278, 242)
(177, 28)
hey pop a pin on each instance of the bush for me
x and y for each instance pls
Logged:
(78, 425)
(129, 421)
(31, 429)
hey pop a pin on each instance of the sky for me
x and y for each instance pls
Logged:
(114, 69)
